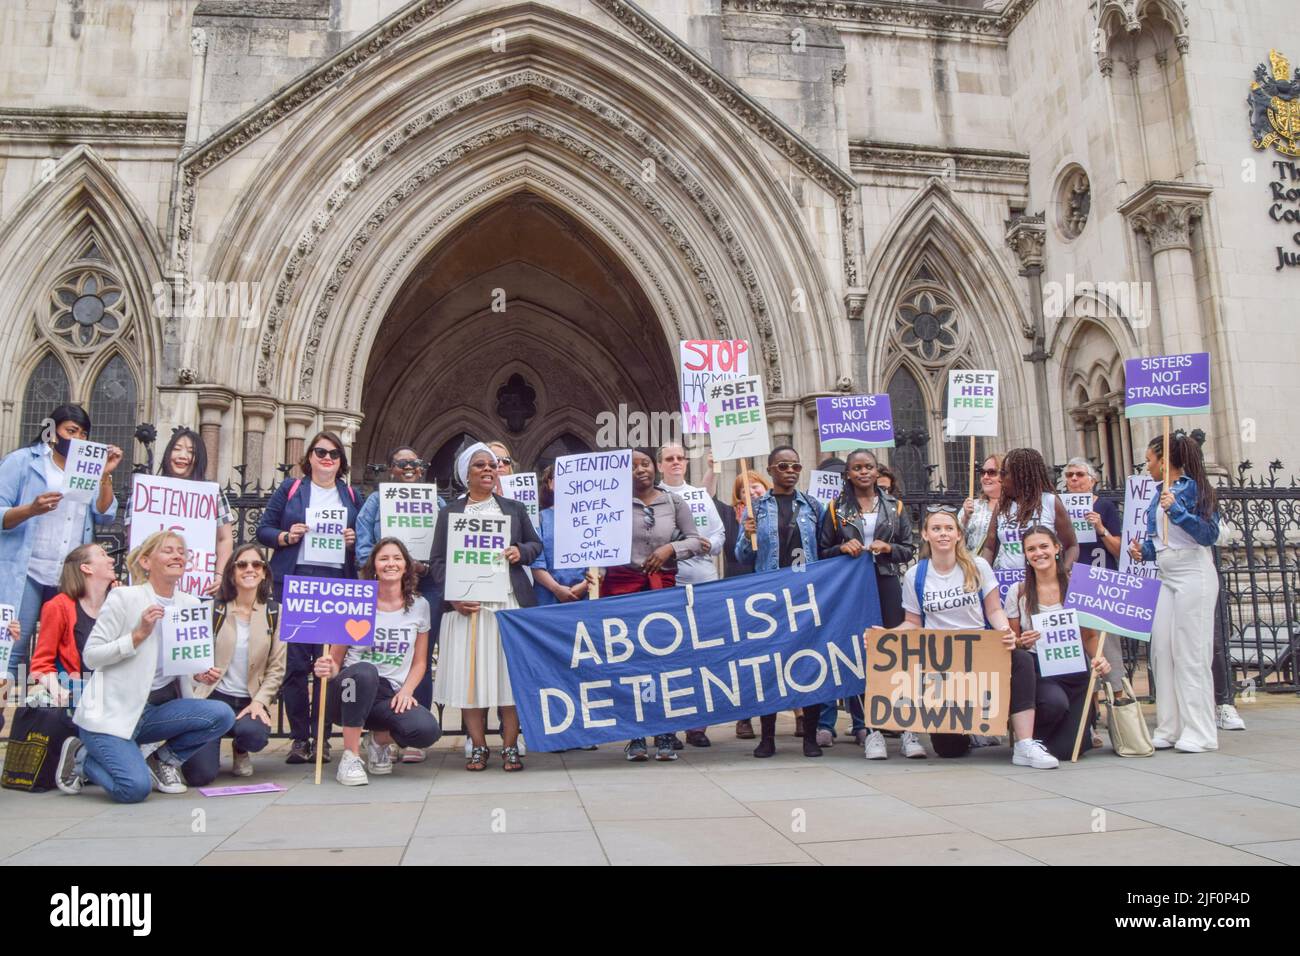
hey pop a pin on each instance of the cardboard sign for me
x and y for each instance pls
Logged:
(1167, 385)
(846, 422)
(1077, 505)
(187, 642)
(1139, 496)
(191, 509)
(523, 488)
(328, 611)
(7, 613)
(82, 470)
(593, 510)
(409, 513)
(972, 403)
(1113, 602)
(939, 682)
(324, 543)
(1005, 578)
(738, 420)
(825, 486)
(1060, 645)
(702, 363)
(476, 566)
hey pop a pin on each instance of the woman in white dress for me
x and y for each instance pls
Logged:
(477, 469)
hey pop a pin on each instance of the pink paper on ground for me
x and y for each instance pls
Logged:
(246, 788)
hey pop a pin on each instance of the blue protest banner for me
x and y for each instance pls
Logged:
(591, 672)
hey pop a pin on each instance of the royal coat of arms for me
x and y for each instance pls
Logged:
(1275, 106)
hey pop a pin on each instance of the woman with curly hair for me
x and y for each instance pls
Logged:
(380, 680)
(1027, 499)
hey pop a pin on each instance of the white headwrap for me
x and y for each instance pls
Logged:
(463, 460)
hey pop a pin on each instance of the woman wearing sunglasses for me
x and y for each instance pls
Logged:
(976, 513)
(785, 523)
(249, 664)
(866, 520)
(283, 525)
(1027, 499)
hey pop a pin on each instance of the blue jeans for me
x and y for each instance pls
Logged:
(831, 713)
(183, 726)
(35, 595)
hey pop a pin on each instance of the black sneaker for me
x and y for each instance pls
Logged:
(676, 742)
(635, 750)
(664, 747)
(300, 752)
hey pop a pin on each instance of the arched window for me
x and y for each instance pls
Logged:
(558, 447)
(46, 390)
(113, 414)
(911, 452)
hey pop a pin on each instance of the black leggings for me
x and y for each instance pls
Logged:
(1057, 709)
(369, 705)
(1025, 683)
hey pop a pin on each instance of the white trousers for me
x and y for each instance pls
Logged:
(1182, 647)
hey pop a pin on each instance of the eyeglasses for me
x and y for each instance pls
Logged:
(333, 454)
(674, 458)
(990, 472)
(786, 467)
(937, 509)
(507, 462)
(243, 565)
(408, 464)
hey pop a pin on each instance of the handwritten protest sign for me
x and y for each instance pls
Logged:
(324, 543)
(825, 486)
(1005, 578)
(476, 568)
(409, 513)
(523, 488)
(191, 509)
(83, 468)
(845, 422)
(328, 611)
(737, 419)
(1139, 494)
(7, 613)
(593, 510)
(703, 362)
(187, 643)
(972, 403)
(1078, 505)
(701, 505)
(1167, 385)
(941, 682)
(589, 672)
(1060, 644)
(1114, 602)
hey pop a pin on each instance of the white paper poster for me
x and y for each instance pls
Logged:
(972, 403)
(701, 363)
(83, 468)
(593, 510)
(188, 646)
(1078, 505)
(825, 486)
(476, 566)
(323, 543)
(409, 513)
(523, 488)
(1139, 495)
(1060, 646)
(7, 613)
(738, 419)
(191, 509)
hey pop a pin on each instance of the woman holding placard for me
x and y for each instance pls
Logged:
(1027, 499)
(129, 700)
(951, 589)
(383, 677)
(1183, 630)
(865, 519)
(248, 665)
(977, 513)
(785, 524)
(1059, 699)
(40, 524)
(284, 528)
(476, 680)
(553, 585)
(732, 514)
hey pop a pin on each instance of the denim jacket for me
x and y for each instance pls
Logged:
(1182, 513)
(807, 515)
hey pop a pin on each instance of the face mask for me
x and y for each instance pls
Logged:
(62, 445)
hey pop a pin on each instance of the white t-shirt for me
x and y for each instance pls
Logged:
(234, 682)
(161, 680)
(701, 568)
(394, 647)
(55, 533)
(1011, 550)
(320, 498)
(869, 527)
(948, 605)
(1012, 603)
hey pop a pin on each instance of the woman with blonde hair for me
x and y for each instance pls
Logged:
(976, 513)
(136, 727)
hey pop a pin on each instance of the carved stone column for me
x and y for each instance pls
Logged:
(199, 50)
(1026, 235)
(257, 413)
(780, 419)
(1116, 401)
(1099, 416)
(297, 420)
(345, 425)
(212, 406)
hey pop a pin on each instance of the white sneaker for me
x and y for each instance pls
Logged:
(414, 755)
(519, 745)
(1161, 744)
(1187, 747)
(378, 760)
(1227, 718)
(351, 772)
(874, 748)
(825, 738)
(68, 776)
(910, 747)
(243, 765)
(166, 776)
(1031, 753)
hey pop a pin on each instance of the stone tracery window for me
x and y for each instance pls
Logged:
(87, 307)
(926, 325)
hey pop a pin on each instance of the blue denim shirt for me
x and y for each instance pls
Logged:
(807, 515)
(566, 576)
(1182, 513)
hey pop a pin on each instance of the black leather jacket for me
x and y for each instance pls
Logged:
(841, 522)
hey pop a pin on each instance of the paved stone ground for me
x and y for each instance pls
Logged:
(1238, 806)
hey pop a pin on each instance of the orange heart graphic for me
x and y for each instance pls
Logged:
(357, 630)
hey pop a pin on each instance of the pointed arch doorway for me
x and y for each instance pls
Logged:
(522, 325)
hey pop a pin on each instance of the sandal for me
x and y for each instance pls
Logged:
(478, 759)
(510, 761)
